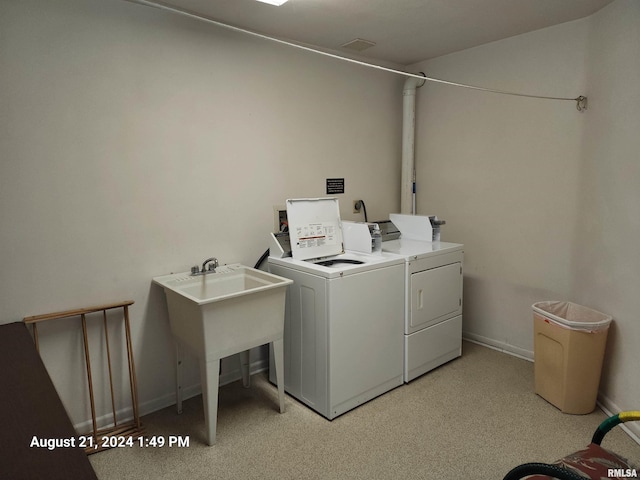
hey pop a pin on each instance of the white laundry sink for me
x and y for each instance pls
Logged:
(223, 313)
(228, 281)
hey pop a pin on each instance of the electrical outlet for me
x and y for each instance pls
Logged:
(280, 218)
(357, 205)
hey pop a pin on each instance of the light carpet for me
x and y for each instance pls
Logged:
(475, 417)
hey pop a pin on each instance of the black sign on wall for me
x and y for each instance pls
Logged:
(335, 186)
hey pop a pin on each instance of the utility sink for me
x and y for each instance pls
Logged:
(222, 313)
(227, 282)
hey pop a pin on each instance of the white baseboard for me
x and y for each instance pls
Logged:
(631, 428)
(126, 414)
(499, 346)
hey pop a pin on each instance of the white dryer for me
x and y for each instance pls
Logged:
(432, 304)
(344, 333)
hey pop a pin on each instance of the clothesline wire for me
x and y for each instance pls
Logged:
(581, 100)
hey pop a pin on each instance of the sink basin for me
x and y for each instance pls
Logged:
(220, 314)
(227, 282)
(223, 313)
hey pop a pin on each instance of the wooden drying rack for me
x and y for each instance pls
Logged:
(132, 428)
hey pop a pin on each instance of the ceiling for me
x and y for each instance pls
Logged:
(404, 31)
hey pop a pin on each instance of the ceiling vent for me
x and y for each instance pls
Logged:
(358, 45)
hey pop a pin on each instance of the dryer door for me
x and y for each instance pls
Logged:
(436, 294)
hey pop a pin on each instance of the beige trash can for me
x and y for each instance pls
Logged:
(569, 344)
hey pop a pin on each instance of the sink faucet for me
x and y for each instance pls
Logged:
(213, 264)
(212, 267)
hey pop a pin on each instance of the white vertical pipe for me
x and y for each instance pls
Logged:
(407, 188)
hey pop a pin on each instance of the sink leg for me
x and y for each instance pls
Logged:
(278, 354)
(209, 380)
(245, 363)
(178, 378)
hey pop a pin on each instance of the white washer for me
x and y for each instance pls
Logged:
(343, 338)
(432, 305)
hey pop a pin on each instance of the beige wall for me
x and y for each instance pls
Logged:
(545, 199)
(134, 143)
(607, 273)
(502, 171)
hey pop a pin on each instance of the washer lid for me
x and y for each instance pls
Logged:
(314, 227)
